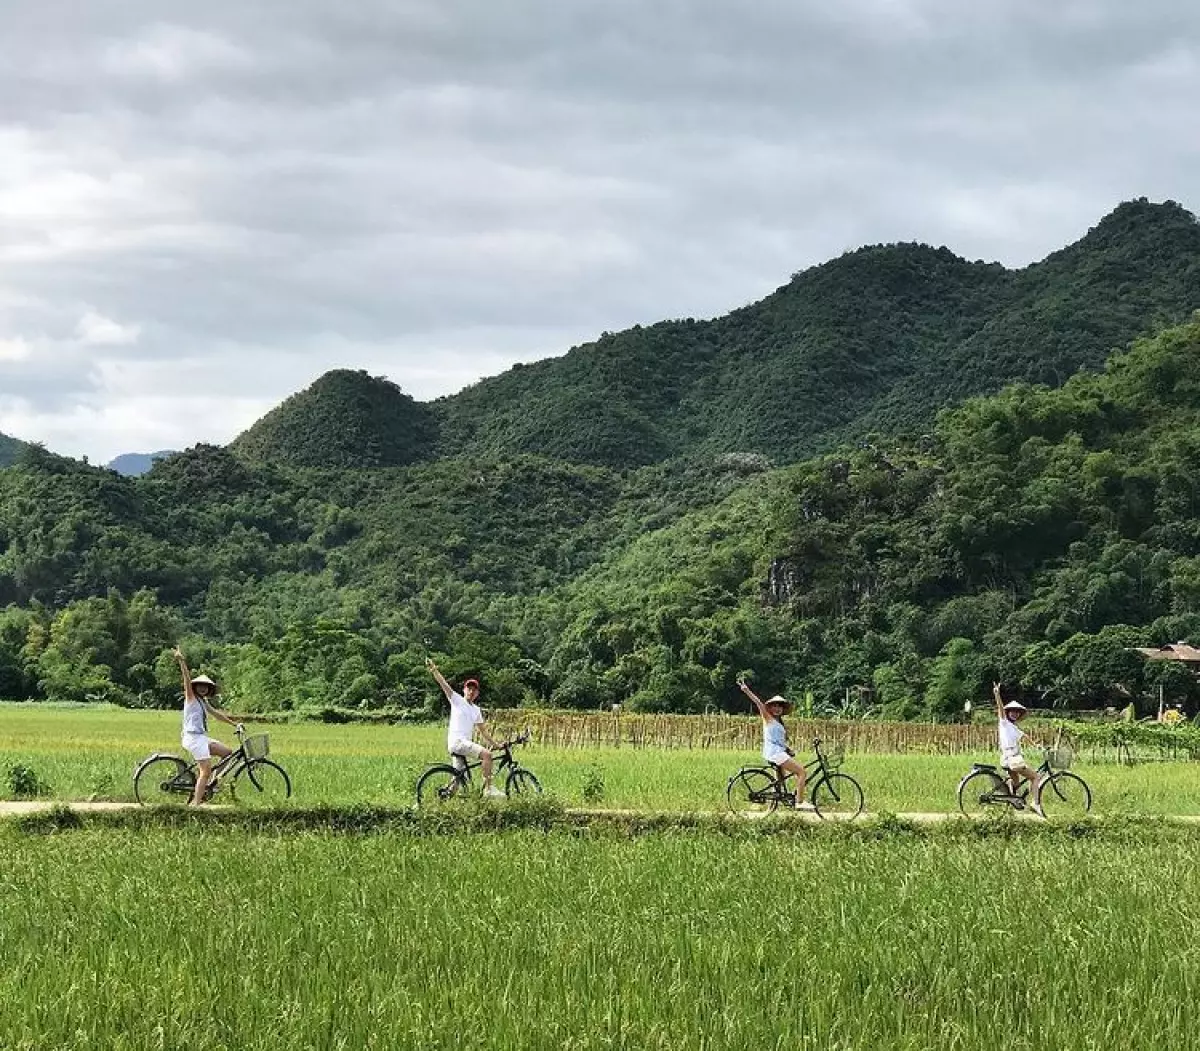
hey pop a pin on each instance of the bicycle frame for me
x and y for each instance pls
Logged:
(816, 765)
(503, 758)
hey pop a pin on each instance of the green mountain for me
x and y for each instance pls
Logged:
(345, 419)
(10, 450)
(877, 340)
(1037, 534)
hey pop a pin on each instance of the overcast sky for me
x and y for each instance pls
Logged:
(205, 206)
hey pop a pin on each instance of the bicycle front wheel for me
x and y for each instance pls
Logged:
(261, 783)
(440, 785)
(522, 783)
(163, 779)
(838, 796)
(752, 792)
(1064, 797)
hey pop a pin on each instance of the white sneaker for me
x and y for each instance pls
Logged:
(492, 792)
(806, 808)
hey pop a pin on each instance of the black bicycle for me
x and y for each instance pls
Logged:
(1059, 794)
(763, 789)
(253, 779)
(444, 782)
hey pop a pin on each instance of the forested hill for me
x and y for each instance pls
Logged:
(10, 450)
(875, 341)
(1035, 535)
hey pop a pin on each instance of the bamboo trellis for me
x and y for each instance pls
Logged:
(740, 733)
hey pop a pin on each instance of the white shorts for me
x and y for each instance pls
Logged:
(1015, 763)
(777, 757)
(199, 745)
(464, 748)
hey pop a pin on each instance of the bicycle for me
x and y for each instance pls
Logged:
(253, 778)
(1066, 794)
(763, 789)
(444, 782)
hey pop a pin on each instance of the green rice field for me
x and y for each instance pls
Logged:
(166, 939)
(92, 752)
(156, 930)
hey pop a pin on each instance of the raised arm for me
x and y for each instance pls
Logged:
(184, 671)
(439, 678)
(754, 698)
(999, 701)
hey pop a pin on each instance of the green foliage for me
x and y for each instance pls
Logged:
(24, 783)
(10, 450)
(609, 528)
(345, 419)
(875, 341)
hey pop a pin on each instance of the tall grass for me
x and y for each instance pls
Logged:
(128, 941)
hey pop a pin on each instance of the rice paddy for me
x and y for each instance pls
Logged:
(158, 930)
(82, 753)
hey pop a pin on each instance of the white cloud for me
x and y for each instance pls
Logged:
(171, 53)
(14, 349)
(238, 197)
(96, 330)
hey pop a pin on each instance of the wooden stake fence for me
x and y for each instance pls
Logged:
(740, 733)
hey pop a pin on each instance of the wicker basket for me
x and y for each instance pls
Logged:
(1060, 758)
(257, 746)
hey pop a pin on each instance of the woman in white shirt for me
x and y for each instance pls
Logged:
(198, 691)
(465, 718)
(775, 750)
(1011, 736)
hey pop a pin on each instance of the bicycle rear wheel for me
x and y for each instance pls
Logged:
(163, 779)
(752, 792)
(976, 793)
(838, 796)
(440, 785)
(1064, 796)
(522, 783)
(261, 782)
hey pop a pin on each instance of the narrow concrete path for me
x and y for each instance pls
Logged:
(17, 808)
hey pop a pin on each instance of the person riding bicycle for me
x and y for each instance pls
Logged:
(774, 749)
(198, 691)
(465, 718)
(1011, 736)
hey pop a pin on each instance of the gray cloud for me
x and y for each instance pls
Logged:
(240, 196)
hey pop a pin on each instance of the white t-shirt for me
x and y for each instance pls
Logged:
(194, 721)
(1010, 737)
(463, 717)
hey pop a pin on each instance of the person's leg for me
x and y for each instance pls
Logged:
(796, 769)
(485, 762)
(203, 772)
(218, 749)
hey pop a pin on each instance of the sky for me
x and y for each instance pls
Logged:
(203, 207)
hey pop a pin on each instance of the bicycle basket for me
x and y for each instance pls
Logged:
(834, 756)
(1060, 758)
(257, 746)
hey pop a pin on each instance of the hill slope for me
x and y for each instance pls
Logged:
(345, 419)
(878, 339)
(10, 450)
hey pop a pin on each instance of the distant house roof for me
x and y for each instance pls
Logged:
(1172, 651)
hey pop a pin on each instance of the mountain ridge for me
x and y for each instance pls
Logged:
(878, 339)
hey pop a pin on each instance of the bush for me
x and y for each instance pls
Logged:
(24, 783)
